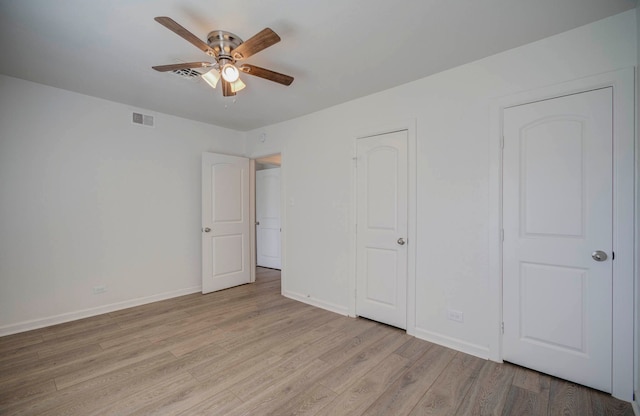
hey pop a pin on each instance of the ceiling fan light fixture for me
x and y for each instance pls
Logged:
(225, 48)
(230, 73)
(237, 85)
(212, 77)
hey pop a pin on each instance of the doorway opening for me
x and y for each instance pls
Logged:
(268, 226)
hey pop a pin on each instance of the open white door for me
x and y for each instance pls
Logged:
(558, 225)
(226, 222)
(268, 218)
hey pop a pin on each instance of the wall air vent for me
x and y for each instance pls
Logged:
(142, 119)
(187, 73)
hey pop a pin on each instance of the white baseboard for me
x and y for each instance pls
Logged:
(86, 313)
(453, 343)
(342, 310)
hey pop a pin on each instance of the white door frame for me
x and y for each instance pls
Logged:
(624, 144)
(389, 127)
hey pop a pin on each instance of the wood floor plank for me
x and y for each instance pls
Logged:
(107, 361)
(12, 355)
(604, 404)
(186, 327)
(73, 341)
(334, 327)
(15, 396)
(219, 404)
(232, 367)
(181, 398)
(40, 366)
(355, 367)
(191, 342)
(352, 346)
(414, 349)
(281, 366)
(95, 394)
(101, 389)
(81, 362)
(155, 332)
(567, 399)
(136, 322)
(307, 403)
(281, 392)
(150, 396)
(529, 394)
(525, 402)
(32, 373)
(272, 338)
(17, 341)
(280, 319)
(10, 362)
(451, 387)
(287, 363)
(488, 393)
(249, 350)
(531, 380)
(402, 396)
(361, 394)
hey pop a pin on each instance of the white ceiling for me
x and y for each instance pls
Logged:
(337, 50)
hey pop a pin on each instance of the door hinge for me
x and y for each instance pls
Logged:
(502, 326)
(613, 255)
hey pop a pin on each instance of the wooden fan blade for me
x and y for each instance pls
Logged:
(173, 26)
(255, 44)
(173, 67)
(267, 74)
(226, 88)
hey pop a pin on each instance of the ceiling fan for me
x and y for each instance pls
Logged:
(226, 49)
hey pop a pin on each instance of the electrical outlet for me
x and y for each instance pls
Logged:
(455, 315)
(99, 289)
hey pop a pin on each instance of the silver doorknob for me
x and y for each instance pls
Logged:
(207, 229)
(599, 255)
(401, 241)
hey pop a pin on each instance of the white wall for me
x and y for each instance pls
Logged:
(90, 199)
(452, 112)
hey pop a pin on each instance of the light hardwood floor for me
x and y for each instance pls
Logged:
(250, 351)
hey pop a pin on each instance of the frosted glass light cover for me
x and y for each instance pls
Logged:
(230, 73)
(237, 86)
(212, 77)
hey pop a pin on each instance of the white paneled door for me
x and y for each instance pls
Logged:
(557, 253)
(225, 222)
(268, 218)
(381, 242)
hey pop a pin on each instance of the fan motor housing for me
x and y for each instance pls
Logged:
(223, 42)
